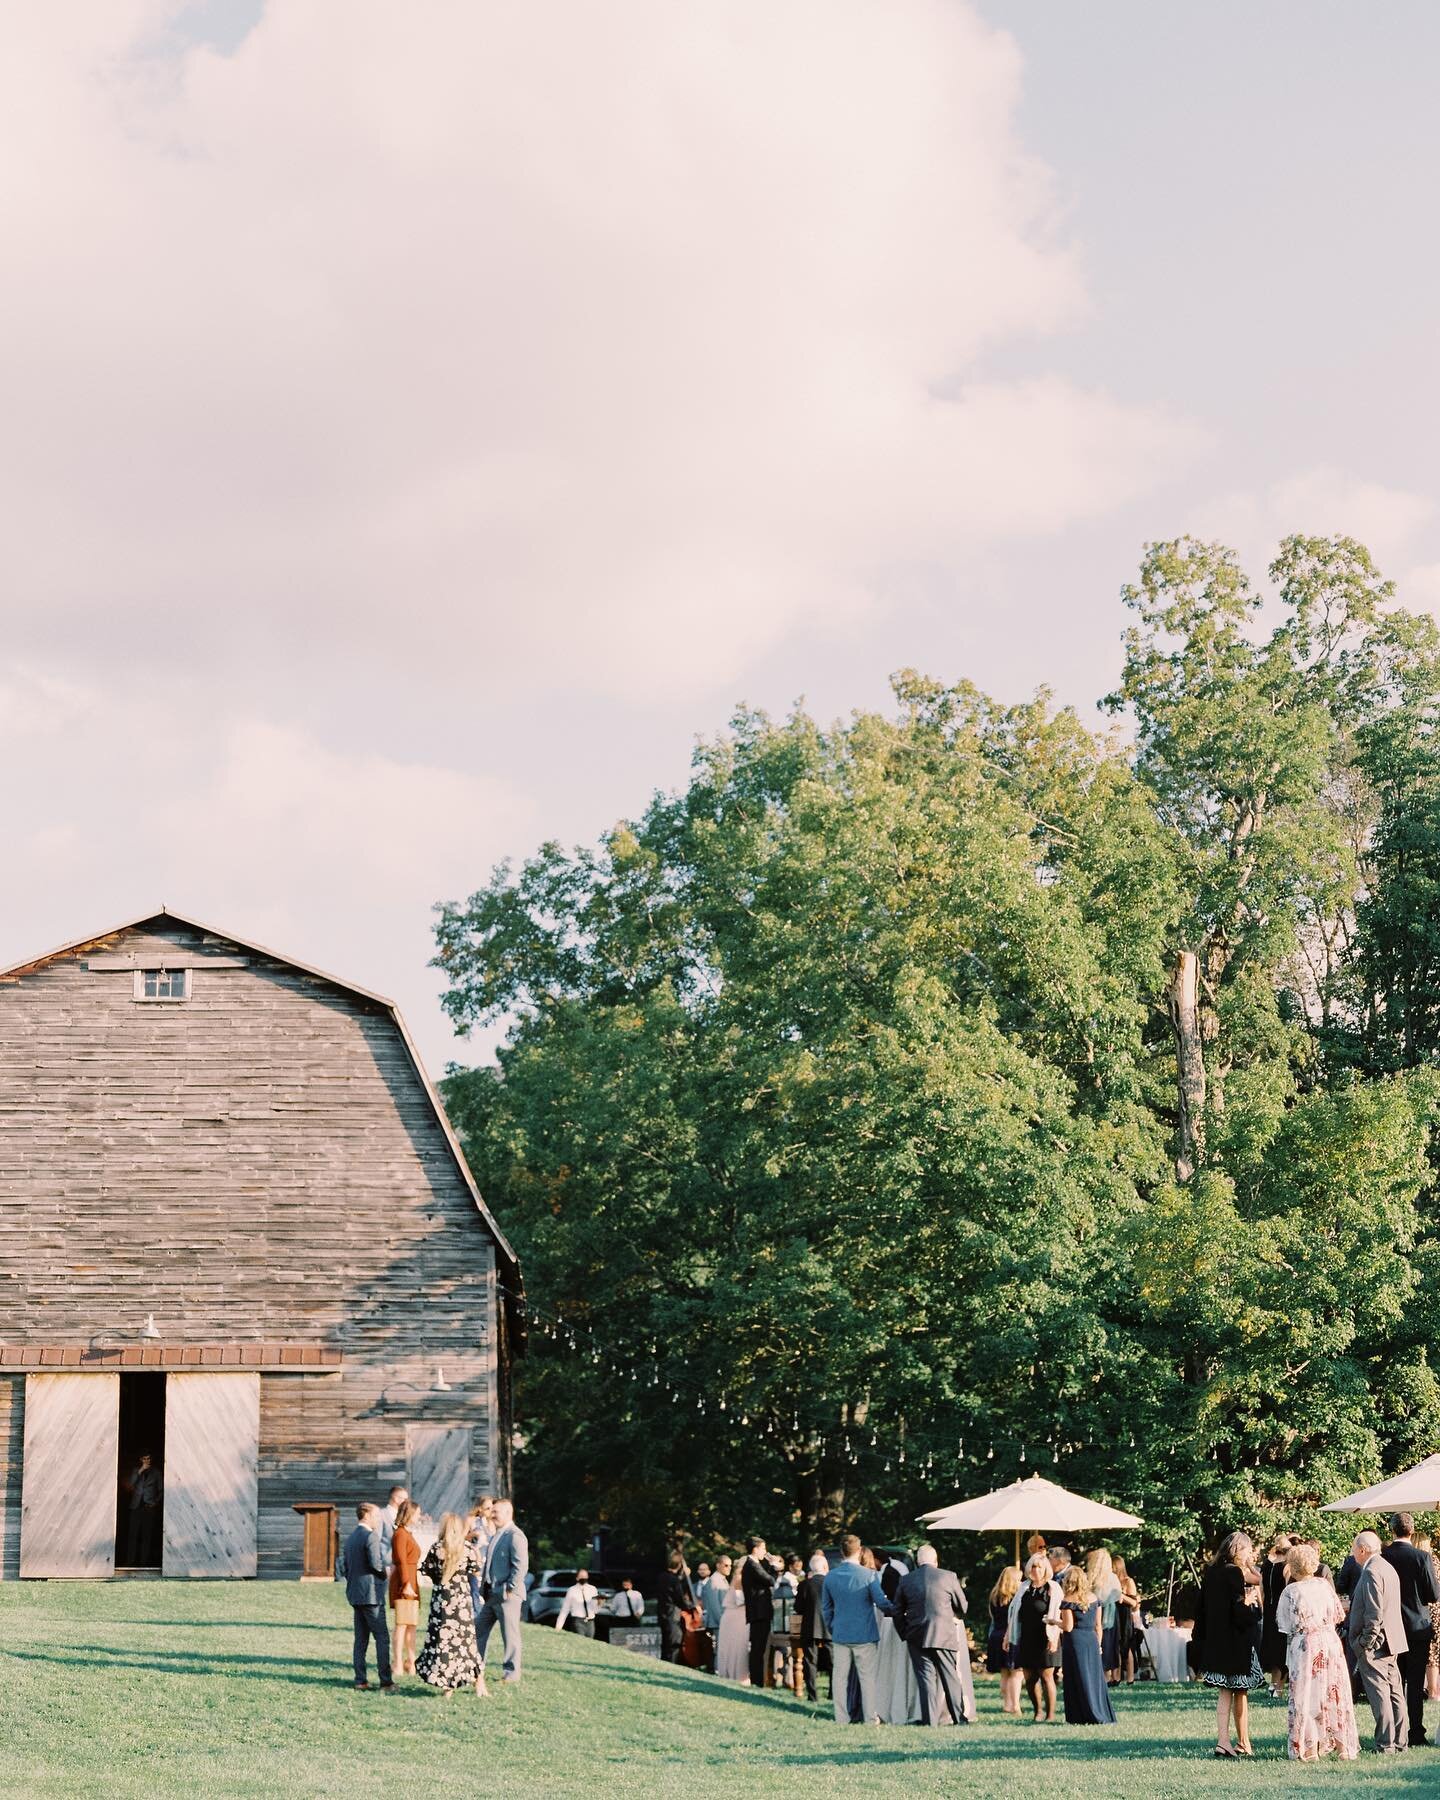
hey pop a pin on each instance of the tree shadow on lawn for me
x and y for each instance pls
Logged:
(266, 1624)
(182, 1662)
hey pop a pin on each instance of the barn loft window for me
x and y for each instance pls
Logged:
(162, 984)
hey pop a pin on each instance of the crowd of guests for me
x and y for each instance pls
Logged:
(476, 1564)
(893, 1637)
(1056, 1618)
(1366, 1634)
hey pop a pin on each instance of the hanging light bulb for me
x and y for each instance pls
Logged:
(990, 1454)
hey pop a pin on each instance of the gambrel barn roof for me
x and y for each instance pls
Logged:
(104, 940)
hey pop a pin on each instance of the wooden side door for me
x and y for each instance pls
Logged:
(438, 1468)
(212, 1454)
(70, 1476)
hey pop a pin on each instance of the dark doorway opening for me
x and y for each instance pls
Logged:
(140, 1483)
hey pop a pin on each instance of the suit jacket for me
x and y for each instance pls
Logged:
(1376, 1618)
(507, 1561)
(363, 1562)
(1417, 1585)
(850, 1602)
(712, 1599)
(813, 1629)
(929, 1603)
(757, 1584)
(676, 1596)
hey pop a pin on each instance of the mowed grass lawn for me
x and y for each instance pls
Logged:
(156, 1688)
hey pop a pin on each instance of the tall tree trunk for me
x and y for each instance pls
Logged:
(1189, 1063)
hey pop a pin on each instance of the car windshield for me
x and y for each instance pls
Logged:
(560, 1578)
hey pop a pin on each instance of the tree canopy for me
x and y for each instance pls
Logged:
(960, 1091)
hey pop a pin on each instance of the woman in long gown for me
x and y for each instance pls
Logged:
(1127, 1620)
(732, 1641)
(899, 1692)
(1105, 1586)
(1087, 1698)
(1322, 1716)
(450, 1659)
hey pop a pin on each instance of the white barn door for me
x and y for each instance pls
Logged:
(438, 1458)
(212, 1453)
(69, 1483)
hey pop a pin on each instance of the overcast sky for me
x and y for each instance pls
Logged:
(421, 422)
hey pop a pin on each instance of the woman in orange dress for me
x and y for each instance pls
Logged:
(405, 1588)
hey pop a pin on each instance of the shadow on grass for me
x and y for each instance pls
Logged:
(182, 1662)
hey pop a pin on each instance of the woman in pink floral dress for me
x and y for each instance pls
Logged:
(1322, 1718)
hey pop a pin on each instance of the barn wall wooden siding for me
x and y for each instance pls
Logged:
(258, 1164)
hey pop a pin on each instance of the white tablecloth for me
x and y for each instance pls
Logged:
(1167, 1644)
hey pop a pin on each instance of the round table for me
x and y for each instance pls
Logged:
(1167, 1645)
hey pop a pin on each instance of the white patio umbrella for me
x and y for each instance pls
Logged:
(1031, 1505)
(1417, 1487)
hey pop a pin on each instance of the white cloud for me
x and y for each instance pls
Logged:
(465, 335)
(329, 856)
(1321, 502)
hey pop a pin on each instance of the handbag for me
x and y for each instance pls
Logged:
(1052, 1637)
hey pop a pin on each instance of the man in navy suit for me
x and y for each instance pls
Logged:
(362, 1562)
(1418, 1593)
(848, 1605)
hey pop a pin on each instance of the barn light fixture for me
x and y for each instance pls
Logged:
(442, 1386)
(151, 1329)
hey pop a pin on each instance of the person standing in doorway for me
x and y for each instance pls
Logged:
(502, 1588)
(405, 1586)
(145, 1487)
(363, 1564)
(757, 1583)
(1418, 1593)
(579, 1607)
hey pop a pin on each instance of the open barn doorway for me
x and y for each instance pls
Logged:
(140, 1476)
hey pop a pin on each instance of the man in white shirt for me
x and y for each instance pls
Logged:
(627, 1602)
(580, 1605)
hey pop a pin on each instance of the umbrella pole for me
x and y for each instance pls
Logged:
(1017, 1544)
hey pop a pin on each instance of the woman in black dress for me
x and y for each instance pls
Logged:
(1033, 1630)
(1226, 1644)
(998, 1660)
(450, 1659)
(1273, 1650)
(1087, 1698)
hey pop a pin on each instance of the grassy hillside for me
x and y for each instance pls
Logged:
(155, 1689)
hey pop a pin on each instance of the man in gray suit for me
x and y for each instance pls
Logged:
(502, 1588)
(362, 1562)
(929, 1606)
(1376, 1631)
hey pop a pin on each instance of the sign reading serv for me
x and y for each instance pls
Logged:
(643, 1639)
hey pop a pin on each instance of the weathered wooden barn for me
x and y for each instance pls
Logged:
(237, 1233)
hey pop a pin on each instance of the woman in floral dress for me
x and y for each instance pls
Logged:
(450, 1659)
(1322, 1717)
